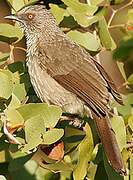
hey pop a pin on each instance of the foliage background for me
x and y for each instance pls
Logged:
(104, 29)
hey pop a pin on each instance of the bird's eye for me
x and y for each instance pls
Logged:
(30, 16)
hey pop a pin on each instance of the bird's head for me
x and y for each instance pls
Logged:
(32, 19)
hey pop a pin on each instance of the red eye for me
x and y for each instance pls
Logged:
(30, 16)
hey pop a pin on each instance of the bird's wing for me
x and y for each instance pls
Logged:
(73, 68)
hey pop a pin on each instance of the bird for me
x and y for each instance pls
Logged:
(66, 75)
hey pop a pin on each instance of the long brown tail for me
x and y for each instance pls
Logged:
(110, 144)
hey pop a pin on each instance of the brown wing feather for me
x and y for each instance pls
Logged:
(73, 68)
(86, 91)
(112, 87)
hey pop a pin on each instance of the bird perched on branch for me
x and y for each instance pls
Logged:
(64, 74)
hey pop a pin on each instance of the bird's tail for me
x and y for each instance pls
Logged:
(109, 142)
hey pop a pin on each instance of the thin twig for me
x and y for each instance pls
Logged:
(111, 18)
(126, 5)
(116, 26)
(67, 164)
(123, 84)
(21, 48)
(11, 59)
(114, 11)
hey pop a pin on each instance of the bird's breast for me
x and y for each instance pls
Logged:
(51, 92)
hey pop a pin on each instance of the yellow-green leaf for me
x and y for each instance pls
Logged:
(52, 136)
(6, 84)
(104, 34)
(130, 79)
(14, 118)
(16, 5)
(82, 13)
(86, 40)
(95, 2)
(34, 132)
(130, 122)
(57, 12)
(4, 56)
(9, 33)
(85, 150)
(118, 126)
(50, 114)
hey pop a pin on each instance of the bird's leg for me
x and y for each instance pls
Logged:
(74, 121)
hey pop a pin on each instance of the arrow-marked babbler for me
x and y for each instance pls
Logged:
(64, 74)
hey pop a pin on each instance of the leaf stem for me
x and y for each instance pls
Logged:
(11, 58)
(116, 26)
(123, 84)
(21, 48)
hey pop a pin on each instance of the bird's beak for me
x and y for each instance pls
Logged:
(13, 17)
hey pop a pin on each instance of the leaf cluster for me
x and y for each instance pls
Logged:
(35, 135)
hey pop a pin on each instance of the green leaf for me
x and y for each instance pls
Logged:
(34, 132)
(130, 79)
(95, 2)
(92, 170)
(16, 78)
(90, 20)
(121, 68)
(14, 103)
(9, 33)
(68, 23)
(130, 122)
(81, 12)
(118, 1)
(83, 19)
(104, 34)
(112, 174)
(80, 7)
(16, 5)
(50, 114)
(19, 162)
(118, 126)
(52, 136)
(130, 16)
(57, 12)
(86, 40)
(31, 166)
(4, 152)
(3, 57)
(113, 44)
(14, 118)
(16, 67)
(126, 109)
(29, 171)
(31, 2)
(131, 167)
(122, 53)
(74, 138)
(124, 49)
(101, 12)
(6, 84)
(85, 150)
(19, 91)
